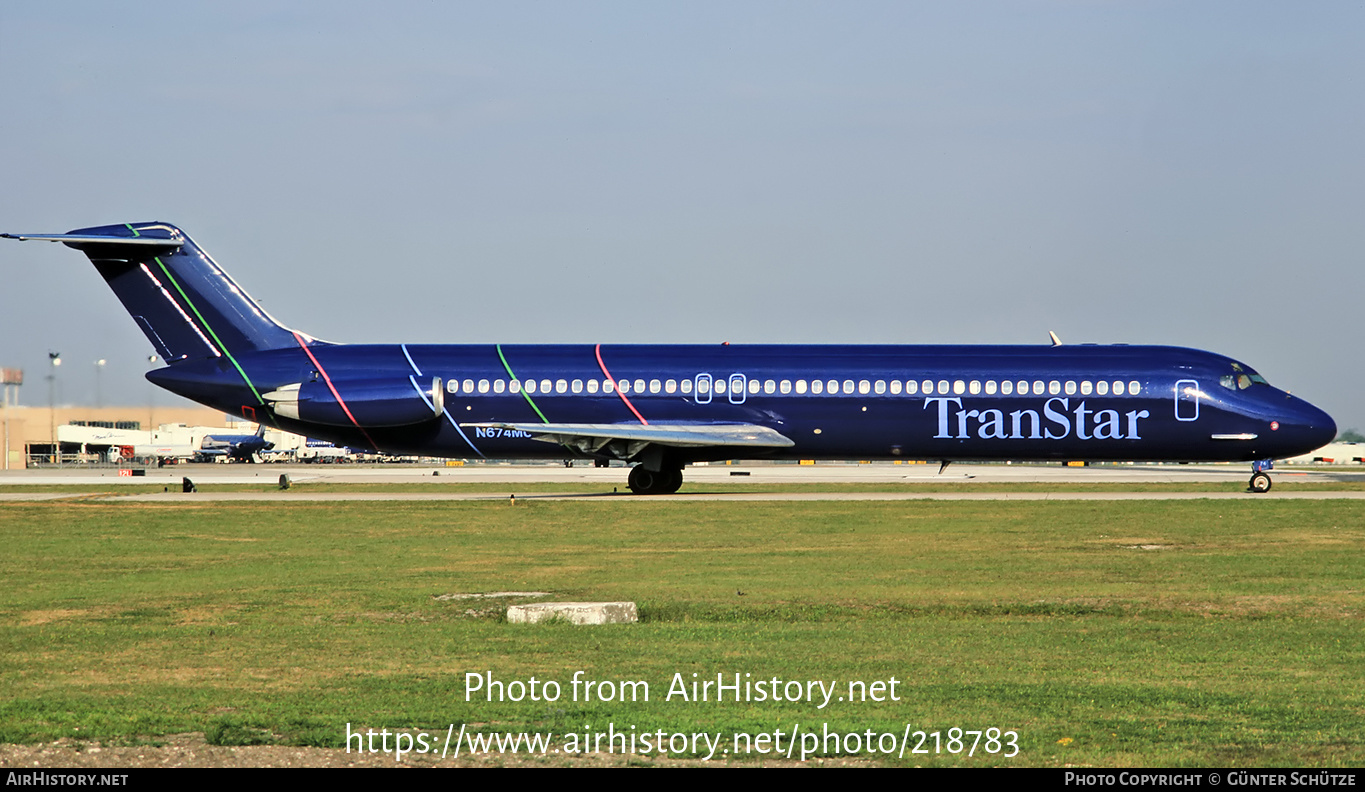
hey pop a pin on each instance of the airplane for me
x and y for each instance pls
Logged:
(661, 408)
(240, 447)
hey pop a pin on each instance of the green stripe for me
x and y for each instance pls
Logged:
(214, 335)
(524, 394)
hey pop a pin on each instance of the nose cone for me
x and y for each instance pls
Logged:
(1305, 428)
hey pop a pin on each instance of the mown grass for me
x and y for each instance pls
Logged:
(1115, 633)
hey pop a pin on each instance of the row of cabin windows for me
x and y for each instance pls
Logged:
(832, 387)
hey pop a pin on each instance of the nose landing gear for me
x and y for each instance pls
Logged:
(1260, 479)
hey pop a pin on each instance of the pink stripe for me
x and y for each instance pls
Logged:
(618, 387)
(333, 389)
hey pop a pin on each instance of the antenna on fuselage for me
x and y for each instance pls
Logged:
(1055, 340)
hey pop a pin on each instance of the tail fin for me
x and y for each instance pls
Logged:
(186, 305)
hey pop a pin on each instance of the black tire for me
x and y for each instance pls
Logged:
(641, 481)
(645, 482)
(1260, 482)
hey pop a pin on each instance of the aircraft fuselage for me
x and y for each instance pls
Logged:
(834, 402)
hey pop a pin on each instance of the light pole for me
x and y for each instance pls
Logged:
(151, 393)
(55, 360)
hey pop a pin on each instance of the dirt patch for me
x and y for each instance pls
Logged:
(190, 750)
(34, 618)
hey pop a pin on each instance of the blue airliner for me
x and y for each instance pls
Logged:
(661, 408)
(240, 447)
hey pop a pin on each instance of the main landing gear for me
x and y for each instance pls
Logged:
(1260, 479)
(649, 482)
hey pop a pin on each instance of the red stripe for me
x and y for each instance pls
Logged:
(333, 389)
(618, 387)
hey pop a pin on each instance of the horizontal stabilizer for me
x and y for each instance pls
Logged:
(677, 436)
(78, 240)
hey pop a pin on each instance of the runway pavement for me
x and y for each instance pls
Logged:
(504, 480)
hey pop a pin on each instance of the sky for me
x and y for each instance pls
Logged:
(778, 172)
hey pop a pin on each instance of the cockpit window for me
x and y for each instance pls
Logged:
(1241, 378)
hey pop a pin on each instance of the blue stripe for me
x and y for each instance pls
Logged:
(418, 388)
(404, 347)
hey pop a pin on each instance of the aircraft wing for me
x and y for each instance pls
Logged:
(592, 438)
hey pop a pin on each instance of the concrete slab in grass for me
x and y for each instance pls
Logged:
(575, 612)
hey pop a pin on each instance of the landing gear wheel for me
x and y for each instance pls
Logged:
(641, 481)
(646, 482)
(1260, 482)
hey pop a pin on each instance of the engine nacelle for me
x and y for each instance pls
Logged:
(366, 402)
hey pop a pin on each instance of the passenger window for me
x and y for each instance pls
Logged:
(670, 386)
(453, 386)
(592, 386)
(817, 387)
(719, 385)
(608, 386)
(974, 387)
(685, 386)
(499, 386)
(655, 386)
(879, 387)
(484, 386)
(895, 387)
(990, 387)
(927, 386)
(959, 387)
(1054, 387)
(1007, 387)
(1038, 387)
(769, 386)
(639, 386)
(514, 386)
(1086, 388)
(943, 387)
(1070, 388)
(785, 387)
(561, 386)
(530, 386)
(753, 386)
(623, 386)
(848, 386)
(576, 386)
(1118, 387)
(864, 387)
(1102, 388)
(1135, 388)
(911, 387)
(1022, 388)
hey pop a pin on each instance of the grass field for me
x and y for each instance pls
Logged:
(1104, 633)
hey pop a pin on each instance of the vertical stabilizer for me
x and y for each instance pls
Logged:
(187, 306)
